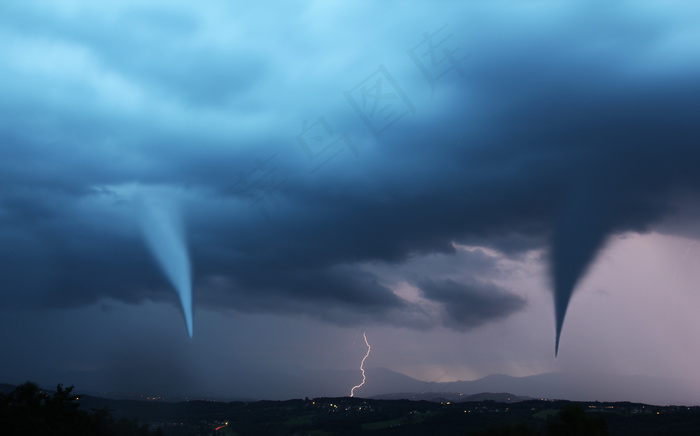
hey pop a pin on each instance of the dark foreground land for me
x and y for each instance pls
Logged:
(28, 410)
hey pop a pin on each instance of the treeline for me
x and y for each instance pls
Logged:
(569, 421)
(28, 410)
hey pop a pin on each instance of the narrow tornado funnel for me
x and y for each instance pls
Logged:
(581, 231)
(162, 229)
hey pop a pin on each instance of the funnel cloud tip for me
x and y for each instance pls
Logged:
(163, 232)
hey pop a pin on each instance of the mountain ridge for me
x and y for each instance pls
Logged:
(563, 385)
(385, 383)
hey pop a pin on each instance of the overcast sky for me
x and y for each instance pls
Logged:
(452, 178)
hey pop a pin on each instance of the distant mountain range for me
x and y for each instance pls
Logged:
(502, 397)
(383, 383)
(570, 386)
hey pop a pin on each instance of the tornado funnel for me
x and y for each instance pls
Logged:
(162, 230)
(582, 229)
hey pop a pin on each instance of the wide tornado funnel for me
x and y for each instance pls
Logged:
(162, 229)
(582, 229)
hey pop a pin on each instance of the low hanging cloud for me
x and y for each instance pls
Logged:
(469, 305)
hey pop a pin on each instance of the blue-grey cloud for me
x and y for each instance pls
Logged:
(554, 135)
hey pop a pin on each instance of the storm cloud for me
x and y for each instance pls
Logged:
(552, 137)
(466, 306)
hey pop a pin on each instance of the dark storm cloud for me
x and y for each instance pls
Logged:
(554, 137)
(349, 288)
(469, 305)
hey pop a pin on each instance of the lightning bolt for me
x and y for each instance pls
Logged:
(362, 366)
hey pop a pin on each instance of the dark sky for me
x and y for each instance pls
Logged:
(442, 176)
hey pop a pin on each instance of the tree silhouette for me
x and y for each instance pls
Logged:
(572, 421)
(28, 410)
